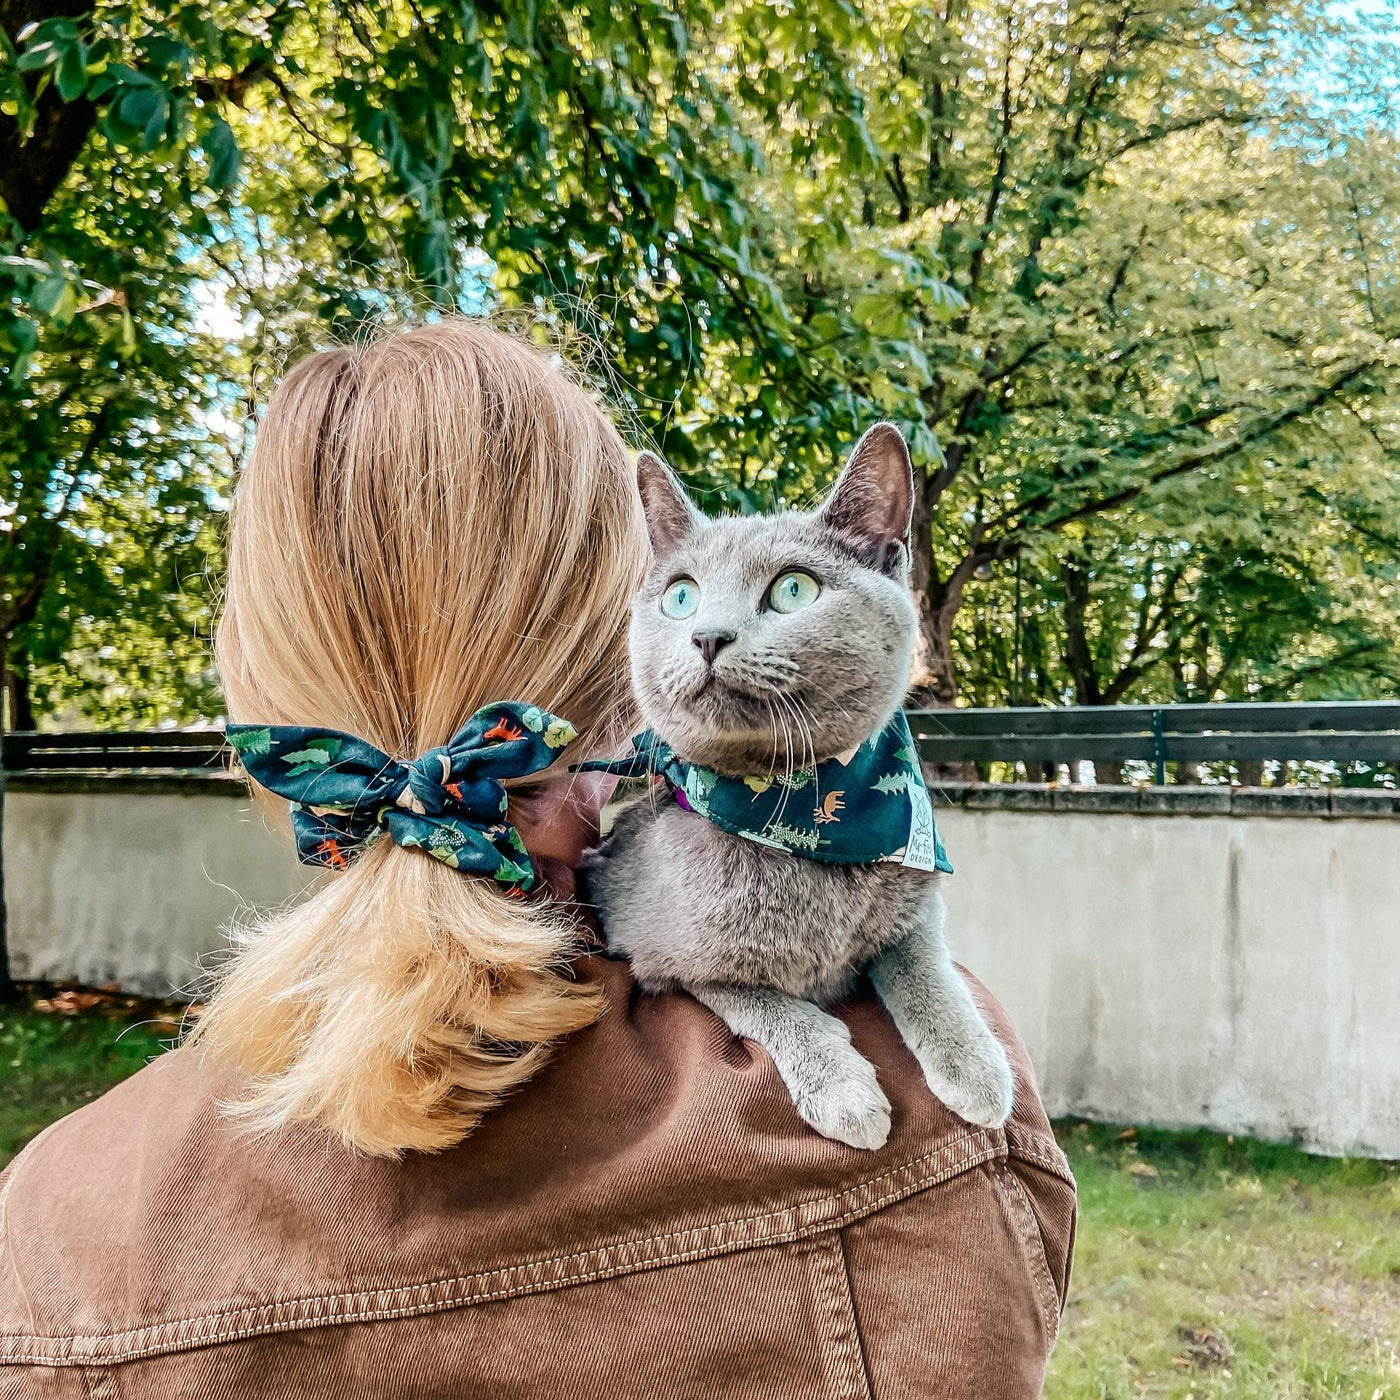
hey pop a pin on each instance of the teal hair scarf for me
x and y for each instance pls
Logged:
(865, 806)
(449, 803)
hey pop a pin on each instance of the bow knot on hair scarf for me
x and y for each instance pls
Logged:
(449, 802)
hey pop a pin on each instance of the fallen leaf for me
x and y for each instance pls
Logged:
(1202, 1351)
(71, 1002)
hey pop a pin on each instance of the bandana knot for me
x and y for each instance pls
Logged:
(429, 790)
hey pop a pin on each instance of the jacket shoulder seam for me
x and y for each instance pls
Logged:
(1027, 1145)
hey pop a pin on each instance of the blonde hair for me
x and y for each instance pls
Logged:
(434, 521)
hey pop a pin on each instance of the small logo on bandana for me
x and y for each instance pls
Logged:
(922, 852)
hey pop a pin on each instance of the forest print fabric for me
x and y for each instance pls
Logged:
(868, 805)
(449, 803)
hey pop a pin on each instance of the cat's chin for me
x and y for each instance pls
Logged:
(725, 726)
(716, 689)
(739, 751)
(718, 702)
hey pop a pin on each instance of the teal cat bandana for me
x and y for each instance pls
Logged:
(449, 803)
(858, 808)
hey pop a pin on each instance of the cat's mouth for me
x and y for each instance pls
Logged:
(717, 687)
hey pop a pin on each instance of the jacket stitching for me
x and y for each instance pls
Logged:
(834, 1285)
(961, 1154)
(1035, 1148)
(1033, 1244)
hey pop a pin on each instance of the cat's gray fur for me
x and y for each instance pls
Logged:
(764, 938)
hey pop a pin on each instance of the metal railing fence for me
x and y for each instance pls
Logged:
(1344, 731)
(1340, 731)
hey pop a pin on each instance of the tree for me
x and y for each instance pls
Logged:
(1100, 252)
(570, 149)
(1165, 269)
(567, 148)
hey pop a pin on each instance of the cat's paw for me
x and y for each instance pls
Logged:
(841, 1098)
(977, 1083)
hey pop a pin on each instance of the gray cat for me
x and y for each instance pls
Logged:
(764, 645)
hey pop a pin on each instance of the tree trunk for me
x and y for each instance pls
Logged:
(32, 168)
(1187, 774)
(7, 986)
(932, 645)
(936, 681)
(1108, 772)
(17, 694)
(1250, 772)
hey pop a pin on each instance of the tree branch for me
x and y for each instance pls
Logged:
(32, 169)
(998, 185)
(1008, 523)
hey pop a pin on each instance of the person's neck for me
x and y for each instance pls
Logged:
(557, 877)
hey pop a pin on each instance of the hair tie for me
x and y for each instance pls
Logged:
(449, 803)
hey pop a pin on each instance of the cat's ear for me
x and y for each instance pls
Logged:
(873, 498)
(669, 513)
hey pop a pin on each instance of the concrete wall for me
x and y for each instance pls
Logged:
(133, 881)
(1236, 973)
(1170, 958)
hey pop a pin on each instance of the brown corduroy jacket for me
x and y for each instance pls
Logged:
(648, 1218)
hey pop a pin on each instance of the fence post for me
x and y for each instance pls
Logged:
(1159, 745)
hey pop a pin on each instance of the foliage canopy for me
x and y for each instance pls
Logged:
(1125, 274)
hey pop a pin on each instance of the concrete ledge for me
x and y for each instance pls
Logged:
(1217, 801)
(1170, 801)
(215, 781)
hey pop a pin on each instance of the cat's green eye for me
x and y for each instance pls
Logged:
(681, 598)
(793, 591)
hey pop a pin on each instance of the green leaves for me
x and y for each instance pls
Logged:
(55, 49)
(225, 158)
(55, 298)
(142, 109)
(138, 108)
(778, 224)
(142, 97)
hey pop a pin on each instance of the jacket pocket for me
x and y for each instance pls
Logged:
(1039, 1195)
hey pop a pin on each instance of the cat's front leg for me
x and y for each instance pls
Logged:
(964, 1063)
(832, 1084)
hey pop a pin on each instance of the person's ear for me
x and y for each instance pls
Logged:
(873, 498)
(670, 514)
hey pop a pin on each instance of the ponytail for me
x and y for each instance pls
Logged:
(426, 524)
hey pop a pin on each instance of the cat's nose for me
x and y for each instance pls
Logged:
(710, 644)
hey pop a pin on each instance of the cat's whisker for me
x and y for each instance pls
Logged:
(773, 726)
(809, 725)
(804, 718)
(787, 787)
(793, 766)
(787, 746)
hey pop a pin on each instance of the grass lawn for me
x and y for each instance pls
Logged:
(1205, 1267)
(1213, 1268)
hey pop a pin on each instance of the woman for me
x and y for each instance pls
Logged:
(312, 1198)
